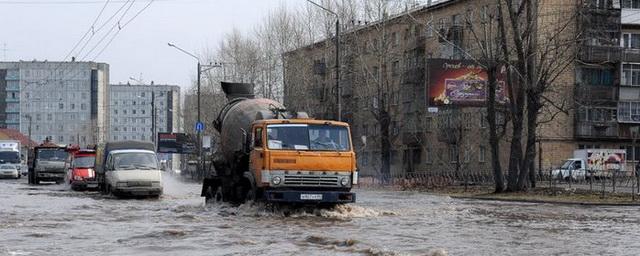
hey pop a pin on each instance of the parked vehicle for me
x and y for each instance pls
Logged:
(9, 171)
(592, 163)
(80, 167)
(267, 153)
(129, 168)
(10, 153)
(48, 163)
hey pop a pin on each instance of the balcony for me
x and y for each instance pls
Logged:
(596, 130)
(590, 53)
(596, 93)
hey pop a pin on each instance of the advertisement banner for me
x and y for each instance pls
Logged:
(176, 143)
(461, 82)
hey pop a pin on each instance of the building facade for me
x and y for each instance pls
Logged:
(132, 107)
(389, 69)
(67, 101)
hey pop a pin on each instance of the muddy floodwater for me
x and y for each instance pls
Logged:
(52, 220)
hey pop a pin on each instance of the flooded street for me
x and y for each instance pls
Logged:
(52, 220)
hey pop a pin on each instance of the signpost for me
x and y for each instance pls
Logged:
(199, 126)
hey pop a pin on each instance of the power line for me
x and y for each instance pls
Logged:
(88, 30)
(102, 26)
(123, 26)
(67, 2)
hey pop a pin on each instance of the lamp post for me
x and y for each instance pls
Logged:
(338, 101)
(199, 70)
(27, 116)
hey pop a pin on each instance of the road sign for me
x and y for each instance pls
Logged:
(206, 142)
(199, 126)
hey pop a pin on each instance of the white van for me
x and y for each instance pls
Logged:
(132, 172)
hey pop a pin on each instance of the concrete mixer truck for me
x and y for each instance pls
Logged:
(266, 153)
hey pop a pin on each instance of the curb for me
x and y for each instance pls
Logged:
(543, 201)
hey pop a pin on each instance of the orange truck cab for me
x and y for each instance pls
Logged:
(81, 173)
(303, 161)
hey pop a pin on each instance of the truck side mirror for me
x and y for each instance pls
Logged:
(245, 139)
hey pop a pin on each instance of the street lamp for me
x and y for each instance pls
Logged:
(338, 101)
(200, 70)
(27, 116)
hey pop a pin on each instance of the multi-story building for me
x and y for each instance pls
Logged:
(67, 101)
(132, 107)
(391, 70)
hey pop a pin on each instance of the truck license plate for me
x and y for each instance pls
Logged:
(310, 196)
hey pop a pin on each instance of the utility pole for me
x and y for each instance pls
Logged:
(199, 132)
(153, 119)
(337, 89)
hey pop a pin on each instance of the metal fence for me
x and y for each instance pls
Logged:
(611, 181)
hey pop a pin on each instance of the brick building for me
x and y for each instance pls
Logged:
(389, 69)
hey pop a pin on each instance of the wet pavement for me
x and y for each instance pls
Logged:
(52, 220)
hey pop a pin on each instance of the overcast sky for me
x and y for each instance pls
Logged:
(49, 29)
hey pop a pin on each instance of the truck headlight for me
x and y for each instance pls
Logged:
(276, 180)
(344, 181)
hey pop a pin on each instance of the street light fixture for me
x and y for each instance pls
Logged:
(200, 70)
(338, 101)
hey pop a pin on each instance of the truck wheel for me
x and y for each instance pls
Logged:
(211, 197)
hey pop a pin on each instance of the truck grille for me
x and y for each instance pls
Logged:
(310, 180)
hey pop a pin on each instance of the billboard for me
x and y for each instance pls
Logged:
(177, 143)
(461, 82)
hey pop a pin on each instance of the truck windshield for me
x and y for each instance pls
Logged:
(52, 155)
(84, 162)
(566, 165)
(135, 161)
(9, 157)
(308, 137)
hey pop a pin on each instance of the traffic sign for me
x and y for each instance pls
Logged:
(199, 126)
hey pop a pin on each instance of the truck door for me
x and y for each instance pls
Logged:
(257, 154)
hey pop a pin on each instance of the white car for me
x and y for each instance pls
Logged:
(10, 171)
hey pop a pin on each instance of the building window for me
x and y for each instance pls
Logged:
(60, 105)
(631, 74)
(629, 112)
(453, 154)
(593, 114)
(134, 111)
(83, 106)
(631, 40)
(73, 106)
(599, 77)
(395, 67)
(628, 4)
(482, 154)
(142, 94)
(49, 117)
(467, 154)
(484, 13)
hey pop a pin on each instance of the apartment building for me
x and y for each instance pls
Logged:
(67, 101)
(132, 111)
(393, 72)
